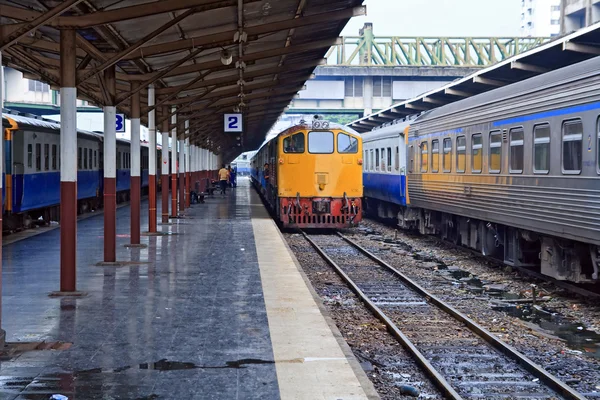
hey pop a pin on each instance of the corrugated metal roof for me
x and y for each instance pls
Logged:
(561, 52)
(286, 40)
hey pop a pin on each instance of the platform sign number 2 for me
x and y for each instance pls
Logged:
(233, 123)
(120, 121)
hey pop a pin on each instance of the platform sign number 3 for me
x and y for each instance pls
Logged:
(233, 123)
(120, 123)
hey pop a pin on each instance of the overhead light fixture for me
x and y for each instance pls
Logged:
(226, 57)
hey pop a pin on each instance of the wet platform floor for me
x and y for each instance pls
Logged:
(188, 322)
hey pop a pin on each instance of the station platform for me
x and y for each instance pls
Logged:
(217, 308)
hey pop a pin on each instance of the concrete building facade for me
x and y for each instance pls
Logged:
(540, 18)
(577, 14)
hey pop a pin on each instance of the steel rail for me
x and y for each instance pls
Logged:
(534, 369)
(440, 382)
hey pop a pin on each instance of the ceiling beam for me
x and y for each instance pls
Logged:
(431, 100)
(528, 67)
(254, 56)
(249, 73)
(581, 48)
(458, 93)
(120, 14)
(487, 81)
(417, 107)
(226, 37)
(84, 76)
(11, 34)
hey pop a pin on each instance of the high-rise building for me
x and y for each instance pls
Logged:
(540, 18)
(578, 14)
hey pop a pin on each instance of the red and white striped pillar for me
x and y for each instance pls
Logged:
(188, 167)
(151, 163)
(174, 164)
(182, 169)
(135, 179)
(110, 171)
(164, 176)
(68, 161)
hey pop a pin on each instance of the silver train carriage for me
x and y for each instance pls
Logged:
(513, 173)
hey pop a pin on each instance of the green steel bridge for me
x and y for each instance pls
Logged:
(399, 51)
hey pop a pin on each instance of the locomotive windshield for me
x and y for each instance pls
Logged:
(347, 144)
(294, 143)
(320, 142)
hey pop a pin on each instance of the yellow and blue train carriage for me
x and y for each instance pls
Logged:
(310, 175)
(32, 170)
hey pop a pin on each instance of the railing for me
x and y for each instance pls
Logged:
(394, 51)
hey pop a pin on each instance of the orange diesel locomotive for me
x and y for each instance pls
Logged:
(310, 175)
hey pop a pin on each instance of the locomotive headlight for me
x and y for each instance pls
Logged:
(360, 161)
(281, 161)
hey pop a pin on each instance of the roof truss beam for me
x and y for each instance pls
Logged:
(12, 34)
(226, 37)
(528, 67)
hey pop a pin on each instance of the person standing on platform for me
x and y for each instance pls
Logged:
(232, 176)
(223, 174)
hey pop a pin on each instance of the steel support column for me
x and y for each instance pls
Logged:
(2, 332)
(174, 165)
(110, 170)
(164, 176)
(151, 163)
(135, 168)
(68, 161)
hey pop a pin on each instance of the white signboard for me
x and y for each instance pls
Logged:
(233, 123)
(120, 122)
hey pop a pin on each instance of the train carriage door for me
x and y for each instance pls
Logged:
(22, 149)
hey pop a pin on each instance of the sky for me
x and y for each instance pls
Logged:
(440, 18)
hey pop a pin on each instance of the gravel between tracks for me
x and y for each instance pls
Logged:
(431, 263)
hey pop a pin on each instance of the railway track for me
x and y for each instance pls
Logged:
(463, 359)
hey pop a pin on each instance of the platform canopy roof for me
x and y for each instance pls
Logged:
(177, 45)
(561, 52)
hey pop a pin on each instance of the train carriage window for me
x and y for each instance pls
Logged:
(29, 155)
(38, 157)
(495, 152)
(572, 146)
(435, 155)
(46, 157)
(516, 150)
(79, 160)
(95, 159)
(424, 156)
(382, 160)
(85, 159)
(447, 155)
(461, 154)
(91, 166)
(371, 162)
(389, 159)
(476, 153)
(54, 157)
(376, 159)
(294, 143)
(347, 144)
(541, 149)
(397, 159)
(320, 142)
(366, 162)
